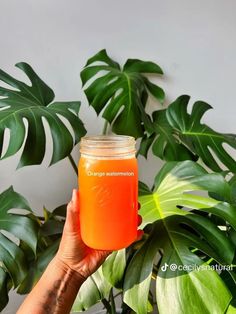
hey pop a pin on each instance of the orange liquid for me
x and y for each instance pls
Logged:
(108, 202)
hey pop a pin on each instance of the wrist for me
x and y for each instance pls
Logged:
(73, 276)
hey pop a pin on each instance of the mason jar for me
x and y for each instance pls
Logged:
(108, 185)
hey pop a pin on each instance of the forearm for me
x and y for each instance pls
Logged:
(55, 292)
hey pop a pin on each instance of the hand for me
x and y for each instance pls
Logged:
(73, 252)
(74, 262)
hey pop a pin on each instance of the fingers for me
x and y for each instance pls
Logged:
(139, 216)
(139, 220)
(140, 234)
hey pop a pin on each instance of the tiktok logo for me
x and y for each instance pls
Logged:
(164, 267)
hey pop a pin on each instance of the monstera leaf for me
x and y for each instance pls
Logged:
(199, 137)
(232, 183)
(14, 226)
(97, 287)
(179, 135)
(163, 141)
(180, 234)
(4, 278)
(114, 267)
(33, 103)
(36, 267)
(49, 237)
(122, 93)
(93, 290)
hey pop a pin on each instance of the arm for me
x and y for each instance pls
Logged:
(55, 292)
(74, 262)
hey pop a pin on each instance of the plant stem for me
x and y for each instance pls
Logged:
(113, 305)
(107, 305)
(73, 164)
(154, 276)
(105, 127)
(119, 293)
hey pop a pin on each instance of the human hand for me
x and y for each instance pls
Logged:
(73, 252)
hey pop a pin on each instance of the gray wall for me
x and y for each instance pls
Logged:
(193, 41)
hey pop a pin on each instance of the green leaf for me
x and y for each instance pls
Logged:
(102, 57)
(176, 232)
(138, 277)
(122, 93)
(192, 292)
(165, 145)
(145, 144)
(93, 290)
(52, 227)
(231, 310)
(60, 210)
(232, 183)
(201, 139)
(113, 268)
(178, 135)
(143, 189)
(3, 289)
(48, 242)
(155, 91)
(12, 257)
(13, 260)
(230, 281)
(38, 91)
(33, 103)
(37, 267)
(21, 226)
(136, 65)
(14, 227)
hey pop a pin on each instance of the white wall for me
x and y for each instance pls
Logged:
(193, 41)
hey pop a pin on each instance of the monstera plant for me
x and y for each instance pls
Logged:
(184, 262)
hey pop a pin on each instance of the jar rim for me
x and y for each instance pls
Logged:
(108, 140)
(108, 146)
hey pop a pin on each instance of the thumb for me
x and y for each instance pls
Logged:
(72, 223)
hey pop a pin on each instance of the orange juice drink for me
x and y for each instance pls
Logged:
(108, 184)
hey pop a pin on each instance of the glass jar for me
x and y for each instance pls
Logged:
(108, 184)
